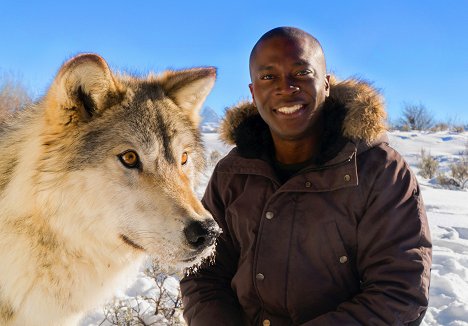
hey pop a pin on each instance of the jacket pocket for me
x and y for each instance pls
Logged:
(344, 262)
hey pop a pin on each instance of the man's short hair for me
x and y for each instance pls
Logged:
(287, 32)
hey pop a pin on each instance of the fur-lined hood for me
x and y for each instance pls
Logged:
(354, 110)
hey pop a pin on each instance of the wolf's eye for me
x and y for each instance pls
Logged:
(129, 159)
(184, 158)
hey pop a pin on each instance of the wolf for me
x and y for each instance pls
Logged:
(100, 172)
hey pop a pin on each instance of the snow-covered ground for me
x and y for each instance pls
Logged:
(447, 211)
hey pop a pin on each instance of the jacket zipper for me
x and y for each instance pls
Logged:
(314, 169)
(327, 166)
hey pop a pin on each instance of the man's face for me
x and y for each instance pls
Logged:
(289, 85)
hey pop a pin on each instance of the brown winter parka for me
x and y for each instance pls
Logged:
(345, 241)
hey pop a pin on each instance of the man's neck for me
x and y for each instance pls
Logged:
(301, 149)
(292, 151)
(295, 151)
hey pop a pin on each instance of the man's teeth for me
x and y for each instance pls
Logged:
(289, 109)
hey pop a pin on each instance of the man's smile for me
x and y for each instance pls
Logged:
(289, 109)
(292, 111)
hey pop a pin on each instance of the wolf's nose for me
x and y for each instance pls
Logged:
(200, 234)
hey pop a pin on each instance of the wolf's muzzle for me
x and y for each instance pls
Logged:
(201, 234)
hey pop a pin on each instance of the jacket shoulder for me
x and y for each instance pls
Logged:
(383, 154)
(235, 162)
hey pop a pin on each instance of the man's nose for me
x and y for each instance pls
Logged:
(286, 87)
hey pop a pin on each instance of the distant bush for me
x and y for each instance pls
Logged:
(459, 170)
(393, 124)
(403, 127)
(460, 173)
(215, 156)
(415, 117)
(445, 181)
(13, 94)
(459, 128)
(428, 165)
(441, 126)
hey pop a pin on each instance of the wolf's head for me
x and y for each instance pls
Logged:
(121, 156)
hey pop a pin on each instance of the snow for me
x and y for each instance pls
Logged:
(447, 211)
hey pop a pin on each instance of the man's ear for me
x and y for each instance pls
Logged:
(327, 85)
(252, 93)
(189, 88)
(83, 87)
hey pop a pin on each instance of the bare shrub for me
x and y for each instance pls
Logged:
(163, 306)
(455, 125)
(459, 170)
(460, 173)
(416, 117)
(13, 94)
(441, 126)
(120, 312)
(445, 181)
(428, 165)
(459, 128)
(404, 127)
(165, 303)
(393, 124)
(215, 156)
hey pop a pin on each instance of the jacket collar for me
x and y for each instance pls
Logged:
(354, 112)
(340, 172)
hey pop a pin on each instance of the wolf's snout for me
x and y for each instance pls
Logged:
(200, 234)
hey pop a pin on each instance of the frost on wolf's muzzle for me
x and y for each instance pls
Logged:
(201, 234)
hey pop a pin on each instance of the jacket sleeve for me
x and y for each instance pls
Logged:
(393, 254)
(207, 295)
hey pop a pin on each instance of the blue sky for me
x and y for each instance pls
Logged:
(414, 51)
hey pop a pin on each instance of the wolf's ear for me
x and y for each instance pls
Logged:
(189, 88)
(83, 87)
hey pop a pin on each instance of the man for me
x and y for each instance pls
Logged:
(323, 223)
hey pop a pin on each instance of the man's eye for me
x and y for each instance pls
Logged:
(267, 77)
(304, 72)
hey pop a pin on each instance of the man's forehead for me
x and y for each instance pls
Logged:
(259, 66)
(302, 48)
